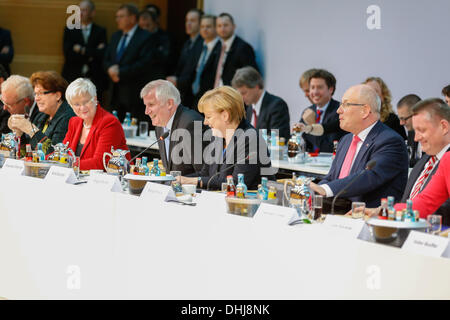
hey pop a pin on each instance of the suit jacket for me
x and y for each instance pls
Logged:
(106, 132)
(161, 49)
(4, 117)
(6, 58)
(412, 149)
(93, 57)
(253, 169)
(274, 114)
(332, 130)
(56, 130)
(436, 193)
(186, 67)
(393, 122)
(414, 175)
(387, 178)
(134, 70)
(241, 54)
(185, 155)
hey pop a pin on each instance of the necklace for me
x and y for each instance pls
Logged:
(85, 126)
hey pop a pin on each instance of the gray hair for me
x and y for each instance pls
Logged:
(368, 95)
(434, 107)
(248, 77)
(164, 90)
(21, 85)
(80, 87)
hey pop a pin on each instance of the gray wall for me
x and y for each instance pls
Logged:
(411, 51)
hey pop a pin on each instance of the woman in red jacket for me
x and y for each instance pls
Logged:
(94, 130)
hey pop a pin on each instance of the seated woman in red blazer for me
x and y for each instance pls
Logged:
(94, 130)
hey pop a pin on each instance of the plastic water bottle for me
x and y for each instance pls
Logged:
(241, 184)
(40, 153)
(145, 166)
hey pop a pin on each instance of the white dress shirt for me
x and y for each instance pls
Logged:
(168, 127)
(228, 44)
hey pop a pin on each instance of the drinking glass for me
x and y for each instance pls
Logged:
(317, 206)
(435, 220)
(76, 167)
(224, 187)
(143, 129)
(176, 184)
(358, 210)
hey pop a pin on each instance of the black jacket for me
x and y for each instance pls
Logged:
(274, 114)
(246, 141)
(332, 130)
(6, 58)
(393, 122)
(93, 56)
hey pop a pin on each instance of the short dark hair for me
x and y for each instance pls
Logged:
(434, 106)
(225, 14)
(446, 91)
(248, 77)
(3, 73)
(197, 11)
(148, 14)
(325, 75)
(154, 8)
(209, 16)
(131, 9)
(409, 100)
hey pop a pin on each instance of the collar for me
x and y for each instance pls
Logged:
(363, 134)
(442, 152)
(131, 32)
(212, 44)
(168, 126)
(257, 106)
(324, 108)
(229, 42)
(87, 27)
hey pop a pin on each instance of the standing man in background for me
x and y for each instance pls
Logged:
(84, 50)
(235, 53)
(6, 49)
(127, 62)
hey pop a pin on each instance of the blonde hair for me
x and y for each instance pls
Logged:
(386, 106)
(224, 99)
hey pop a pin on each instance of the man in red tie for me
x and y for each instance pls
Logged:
(368, 140)
(320, 122)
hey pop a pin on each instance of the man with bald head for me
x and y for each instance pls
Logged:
(368, 140)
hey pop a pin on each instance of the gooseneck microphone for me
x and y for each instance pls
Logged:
(161, 138)
(250, 156)
(369, 166)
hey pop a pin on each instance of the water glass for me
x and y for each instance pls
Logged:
(76, 167)
(176, 184)
(224, 187)
(358, 209)
(143, 129)
(435, 221)
(317, 207)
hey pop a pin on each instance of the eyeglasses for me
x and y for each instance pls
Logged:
(79, 105)
(12, 104)
(345, 105)
(38, 94)
(405, 119)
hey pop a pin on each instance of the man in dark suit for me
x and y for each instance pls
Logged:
(162, 105)
(4, 114)
(320, 122)
(264, 110)
(431, 121)
(235, 52)
(368, 140)
(404, 110)
(192, 47)
(6, 49)
(17, 96)
(127, 62)
(84, 50)
(198, 76)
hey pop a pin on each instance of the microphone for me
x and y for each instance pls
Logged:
(369, 166)
(250, 156)
(161, 138)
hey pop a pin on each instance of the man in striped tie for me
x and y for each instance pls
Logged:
(369, 140)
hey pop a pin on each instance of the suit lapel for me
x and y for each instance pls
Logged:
(365, 146)
(176, 119)
(162, 147)
(98, 116)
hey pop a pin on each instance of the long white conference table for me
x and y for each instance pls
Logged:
(62, 241)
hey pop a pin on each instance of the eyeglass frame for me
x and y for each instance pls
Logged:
(405, 119)
(345, 105)
(11, 105)
(84, 104)
(44, 93)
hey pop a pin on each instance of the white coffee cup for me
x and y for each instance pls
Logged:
(189, 188)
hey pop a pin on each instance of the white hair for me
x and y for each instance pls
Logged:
(21, 85)
(164, 90)
(80, 87)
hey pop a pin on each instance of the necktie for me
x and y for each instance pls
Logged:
(319, 114)
(347, 165)
(254, 118)
(423, 177)
(121, 48)
(219, 69)
(85, 32)
(196, 83)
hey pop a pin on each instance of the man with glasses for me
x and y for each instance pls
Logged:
(17, 97)
(404, 110)
(368, 140)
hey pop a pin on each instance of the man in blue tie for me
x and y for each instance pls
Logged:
(128, 62)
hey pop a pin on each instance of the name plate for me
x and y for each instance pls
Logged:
(346, 226)
(105, 181)
(58, 174)
(13, 166)
(426, 244)
(155, 191)
(269, 214)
